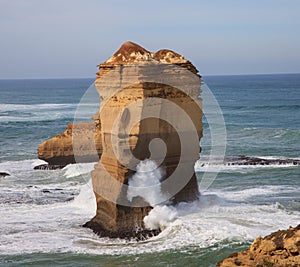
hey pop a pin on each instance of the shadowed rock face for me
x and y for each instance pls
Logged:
(281, 248)
(152, 83)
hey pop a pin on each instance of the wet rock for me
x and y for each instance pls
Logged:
(253, 161)
(46, 191)
(4, 174)
(137, 233)
(48, 167)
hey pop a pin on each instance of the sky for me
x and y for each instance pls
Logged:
(68, 38)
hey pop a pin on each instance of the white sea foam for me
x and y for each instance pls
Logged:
(209, 221)
(19, 166)
(219, 216)
(86, 199)
(39, 116)
(38, 162)
(275, 158)
(254, 192)
(73, 170)
(160, 217)
(22, 107)
(140, 184)
(35, 112)
(146, 183)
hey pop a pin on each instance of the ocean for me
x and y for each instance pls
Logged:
(42, 211)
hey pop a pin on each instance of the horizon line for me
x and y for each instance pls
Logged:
(202, 75)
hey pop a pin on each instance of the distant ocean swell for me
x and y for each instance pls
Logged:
(36, 112)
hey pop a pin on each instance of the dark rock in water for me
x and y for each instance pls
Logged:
(138, 234)
(253, 161)
(46, 191)
(48, 167)
(256, 161)
(128, 223)
(3, 174)
(244, 160)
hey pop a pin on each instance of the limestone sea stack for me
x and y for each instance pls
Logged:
(60, 150)
(279, 249)
(150, 109)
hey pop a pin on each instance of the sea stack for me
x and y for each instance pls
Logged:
(61, 149)
(150, 109)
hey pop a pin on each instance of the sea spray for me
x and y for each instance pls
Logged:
(73, 170)
(85, 200)
(160, 217)
(147, 175)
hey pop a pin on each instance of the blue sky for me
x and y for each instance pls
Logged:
(68, 38)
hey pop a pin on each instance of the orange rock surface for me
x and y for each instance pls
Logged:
(144, 96)
(60, 149)
(279, 249)
(152, 83)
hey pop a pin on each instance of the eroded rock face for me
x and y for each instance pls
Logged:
(145, 96)
(281, 248)
(62, 150)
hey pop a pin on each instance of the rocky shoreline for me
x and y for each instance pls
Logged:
(279, 249)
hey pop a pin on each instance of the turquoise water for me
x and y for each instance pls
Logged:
(42, 211)
(193, 257)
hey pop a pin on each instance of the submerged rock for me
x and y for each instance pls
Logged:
(279, 249)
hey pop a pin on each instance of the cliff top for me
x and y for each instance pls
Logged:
(130, 52)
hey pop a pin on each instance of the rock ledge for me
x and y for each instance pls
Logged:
(279, 249)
